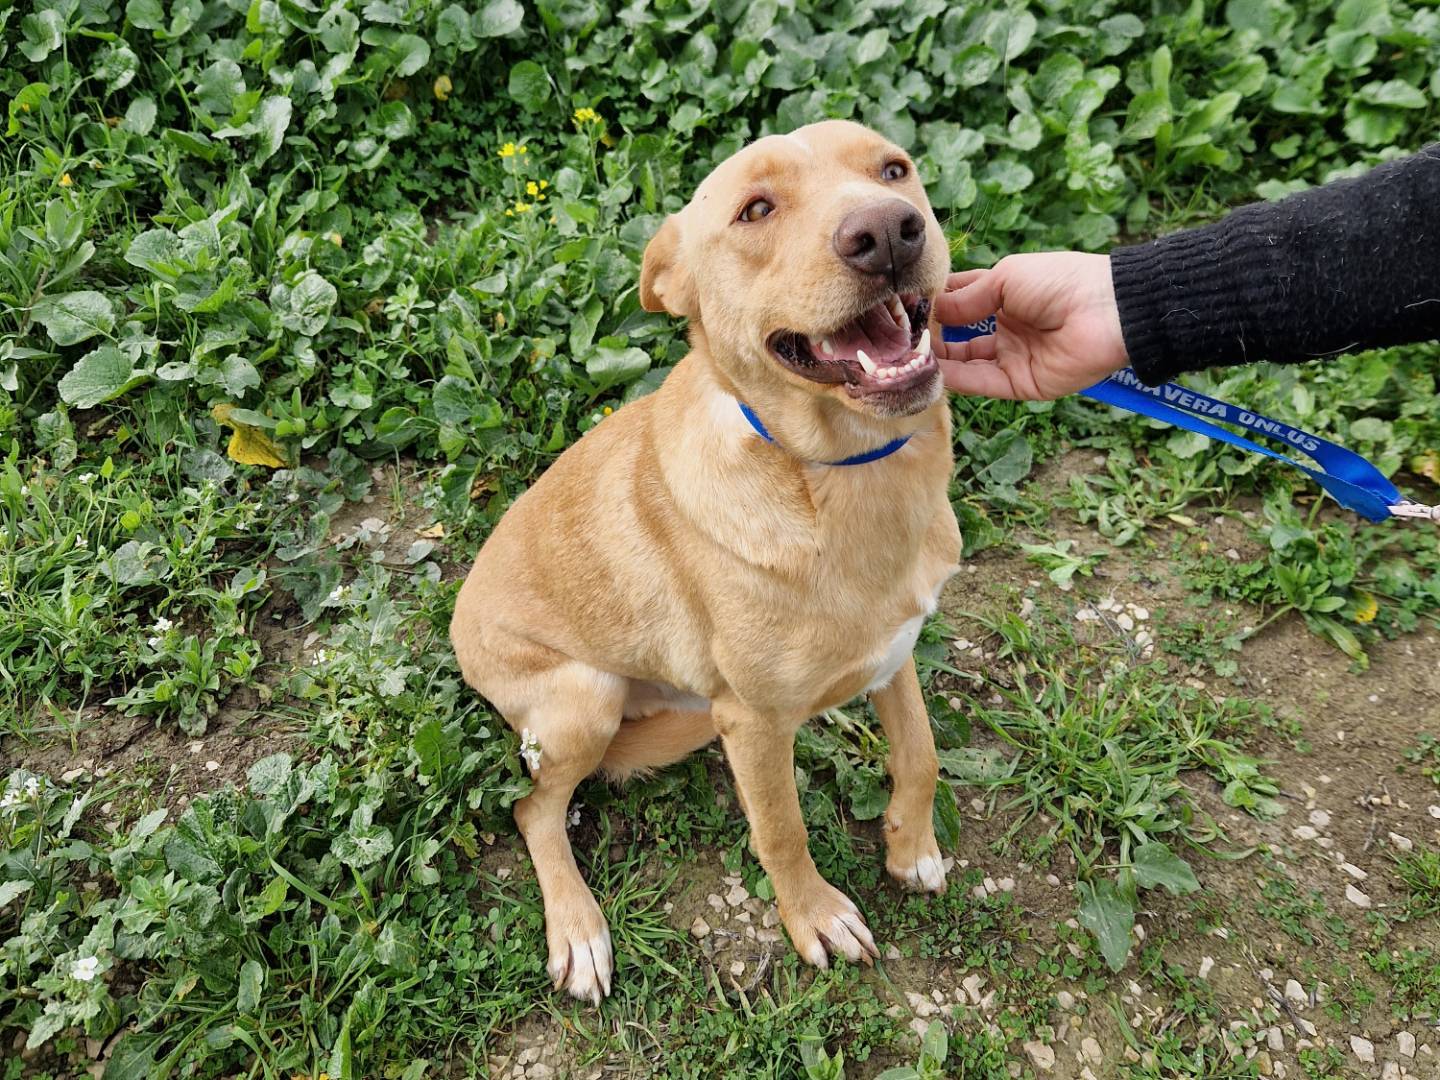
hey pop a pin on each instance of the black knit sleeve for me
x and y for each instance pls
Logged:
(1348, 266)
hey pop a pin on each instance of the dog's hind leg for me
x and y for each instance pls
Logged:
(572, 712)
(913, 857)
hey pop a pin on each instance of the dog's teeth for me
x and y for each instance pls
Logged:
(865, 361)
(826, 348)
(897, 309)
(924, 349)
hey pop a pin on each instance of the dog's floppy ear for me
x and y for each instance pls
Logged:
(665, 280)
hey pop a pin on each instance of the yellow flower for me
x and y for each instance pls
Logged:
(607, 410)
(65, 180)
(523, 149)
(532, 188)
(1367, 608)
(508, 150)
(442, 88)
(544, 184)
(586, 116)
(334, 238)
(523, 207)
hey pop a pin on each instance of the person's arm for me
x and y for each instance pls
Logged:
(1352, 265)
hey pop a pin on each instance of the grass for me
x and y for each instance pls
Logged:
(294, 303)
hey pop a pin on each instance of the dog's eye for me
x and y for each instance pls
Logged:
(894, 170)
(756, 209)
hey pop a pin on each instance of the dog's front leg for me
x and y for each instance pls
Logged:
(818, 916)
(912, 855)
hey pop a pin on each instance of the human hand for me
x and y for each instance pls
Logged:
(1057, 327)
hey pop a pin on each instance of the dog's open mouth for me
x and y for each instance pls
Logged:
(886, 350)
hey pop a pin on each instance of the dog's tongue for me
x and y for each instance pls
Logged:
(884, 338)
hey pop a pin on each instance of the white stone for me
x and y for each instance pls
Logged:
(1356, 897)
(1206, 963)
(1042, 1055)
(1404, 843)
(736, 896)
(1065, 999)
(1320, 819)
(1304, 832)
(1090, 1050)
(1275, 1039)
(1405, 1043)
(1390, 1071)
(1363, 1049)
(1295, 993)
(699, 928)
(1354, 871)
(737, 968)
(973, 985)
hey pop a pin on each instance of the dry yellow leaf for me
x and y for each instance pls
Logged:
(1366, 608)
(432, 532)
(442, 88)
(249, 445)
(1428, 465)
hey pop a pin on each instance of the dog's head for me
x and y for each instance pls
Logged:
(813, 258)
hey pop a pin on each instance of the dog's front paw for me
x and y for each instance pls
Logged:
(581, 960)
(915, 861)
(824, 921)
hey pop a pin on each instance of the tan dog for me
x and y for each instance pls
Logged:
(675, 576)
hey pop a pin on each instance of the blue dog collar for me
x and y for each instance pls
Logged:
(856, 459)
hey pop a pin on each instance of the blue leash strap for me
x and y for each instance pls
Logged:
(1351, 480)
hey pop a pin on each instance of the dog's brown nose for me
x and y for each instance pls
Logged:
(882, 238)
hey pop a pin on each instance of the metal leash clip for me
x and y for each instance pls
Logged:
(1416, 510)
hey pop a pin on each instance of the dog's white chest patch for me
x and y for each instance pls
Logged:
(900, 648)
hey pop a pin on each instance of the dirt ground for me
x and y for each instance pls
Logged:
(1337, 754)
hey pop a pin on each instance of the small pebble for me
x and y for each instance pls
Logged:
(1404, 843)
(1065, 999)
(1354, 871)
(1295, 993)
(1363, 1049)
(1303, 832)
(1090, 1050)
(1356, 897)
(1275, 1039)
(699, 928)
(736, 896)
(1405, 1044)
(1206, 964)
(1042, 1055)
(737, 968)
(211, 766)
(1320, 819)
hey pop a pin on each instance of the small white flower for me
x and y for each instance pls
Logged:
(81, 543)
(320, 657)
(9, 799)
(530, 749)
(291, 497)
(339, 593)
(574, 817)
(24, 489)
(32, 786)
(86, 478)
(153, 642)
(163, 625)
(84, 968)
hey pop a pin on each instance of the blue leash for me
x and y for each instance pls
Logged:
(1350, 479)
(855, 459)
